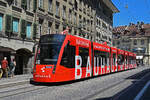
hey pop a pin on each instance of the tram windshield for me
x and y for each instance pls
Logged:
(49, 48)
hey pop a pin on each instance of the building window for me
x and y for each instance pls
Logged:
(50, 5)
(70, 30)
(64, 12)
(113, 43)
(142, 42)
(28, 30)
(70, 15)
(15, 3)
(88, 23)
(40, 26)
(57, 28)
(75, 32)
(49, 27)
(8, 23)
(104, 25)
(57, 8)
(1, 22)
(64, 27)
(28, 4)
(75, 18)
(97, 22)
(91, 23)
(23, 28)
(135, 42)
(118, 42)
(84, 22)
(41, 3)
(80, 17)
(40, 29)
(15, 25)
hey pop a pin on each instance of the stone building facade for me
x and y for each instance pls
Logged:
(91, 19)
(104, 21)
(22, 22)
(135, 38)
(16, 28)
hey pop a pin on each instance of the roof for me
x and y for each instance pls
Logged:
(111, 5)
(133, 30)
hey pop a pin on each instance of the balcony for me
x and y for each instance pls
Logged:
(16, 8)
(3, 4)
(41, 9)
(50, 11)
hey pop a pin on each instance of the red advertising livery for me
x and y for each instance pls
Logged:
(62, 58)
(113, 59)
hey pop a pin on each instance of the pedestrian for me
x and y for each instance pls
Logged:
(5, 66)
(12, 67)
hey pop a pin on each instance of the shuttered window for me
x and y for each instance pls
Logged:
(34, 30)
(8, 24)
(23, 28)
(15, 25)
(1, 22)
(41, 3)
(24, 4)
(34, 5)
(28, 30)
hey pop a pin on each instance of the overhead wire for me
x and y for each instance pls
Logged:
(132, 12)
(125, 5)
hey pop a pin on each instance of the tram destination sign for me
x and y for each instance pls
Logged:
(52, 38)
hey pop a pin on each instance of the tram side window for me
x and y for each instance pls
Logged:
(84, 53)
(114, 59)
(97, 54)
(130, 59)
(68, 57)
(126, 60)
(120, 59)
(102, 55)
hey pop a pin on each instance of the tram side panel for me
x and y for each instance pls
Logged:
(135, 65)
(126, 60)
(48, 58)
(66, 63)
(83, 65)
(101, 62)
(120, 60)
(131, 57)
(113, 59)
(74, 59)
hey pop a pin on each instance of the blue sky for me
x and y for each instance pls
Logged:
(131, 11)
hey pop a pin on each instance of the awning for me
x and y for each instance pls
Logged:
(139, 57)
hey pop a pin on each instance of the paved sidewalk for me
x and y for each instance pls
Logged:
(16, 80)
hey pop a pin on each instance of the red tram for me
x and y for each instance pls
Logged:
(62, 58)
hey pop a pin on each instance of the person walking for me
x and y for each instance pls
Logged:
(5, 66)
(12, 67)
